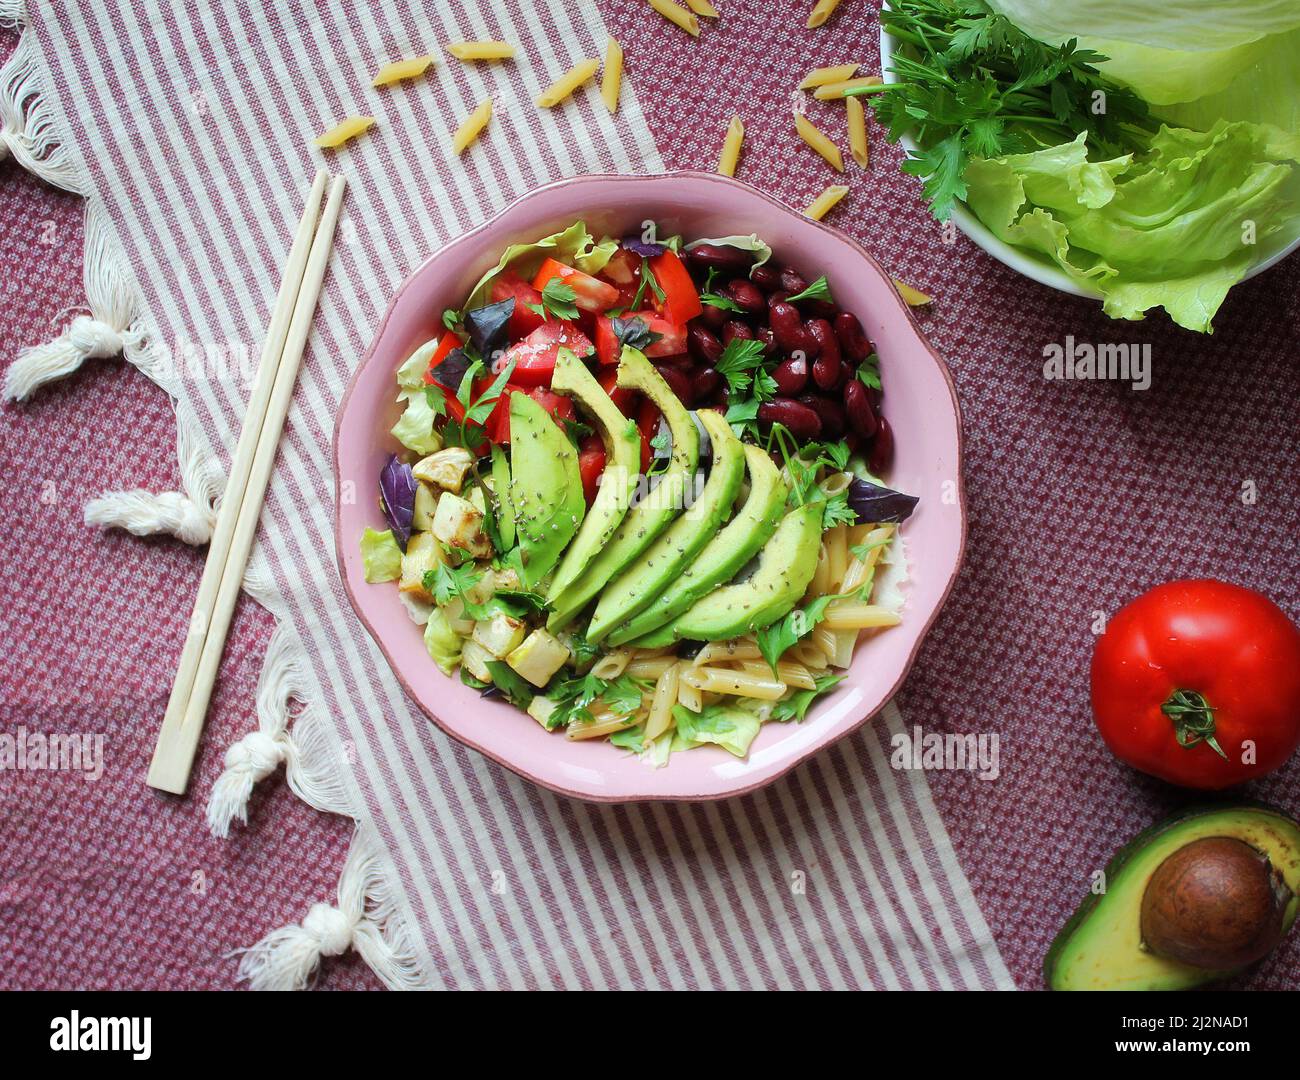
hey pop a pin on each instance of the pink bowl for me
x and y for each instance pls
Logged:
(919, 401)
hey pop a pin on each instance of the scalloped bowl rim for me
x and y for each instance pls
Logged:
(721, 775)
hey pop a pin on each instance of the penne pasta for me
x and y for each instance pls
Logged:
(859, 148)
(824, 639)
(612, 664)
(567, 83)
(808, 654)
(825, 202)
(790, 672)
(731, 147)
(650, 668)
(821, 11)
(814, 137)
(343, 131)
(703, 7)
(836, 90)
(481, 50)
(913, 297)
(736, 683)
(660, 718)
(854, 615)
(824, 76)
(650, 654)
(859, 570)
(678, 16)
(837, 556)
(689, 696)
(472, 127)
(612, 81)
(836, 482)
(845, 642)
(599, 727)
(735, 649)
(401, 69)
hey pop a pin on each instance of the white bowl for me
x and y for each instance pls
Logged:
(1023, 262)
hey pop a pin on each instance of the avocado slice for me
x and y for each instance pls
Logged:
(664, 560)
(719, 562)
(1100, 947)
(622, 466)
(785, 566)
(545, 488)
(648, 518)
(505, 507)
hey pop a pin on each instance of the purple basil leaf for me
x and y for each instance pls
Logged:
(397, 496)
(487, 325)
(873, 503)
(452, 369)
(638, 246)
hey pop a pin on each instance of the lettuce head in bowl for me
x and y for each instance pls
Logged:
(1144, 153)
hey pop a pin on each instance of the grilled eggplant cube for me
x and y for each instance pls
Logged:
(458, 523)
(445, 469)
(539, 657)
(499, 634)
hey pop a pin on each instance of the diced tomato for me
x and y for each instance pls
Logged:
(623, 269)
(607, 346)
(591, 294)
(558, 406)
(623, 398)
(449, 342)
(523, 320)
(534, 357)
(671, 341)
(591, 463)
(681, 303)
(498, 421)
(647, 422)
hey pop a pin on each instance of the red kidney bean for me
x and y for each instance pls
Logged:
(736, 329)
(828, 367)
(802, 421)
(853, 342)
(858, 407)
(713, 317)
(786, 325)
(677, 382)
(766, 278)
(746, 294)
(882, 449)
(681, 361)
(720, 257)
(703, 344)
(818, 309)
(792, 281)
(778, 297)
(707, 381)
(765, 335)
(830, 412)
(791, 376)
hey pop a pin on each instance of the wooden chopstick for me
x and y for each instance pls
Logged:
(241, 506)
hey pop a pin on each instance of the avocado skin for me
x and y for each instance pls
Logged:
(623, 458)
(649, 517)
(657, 567)
(785, 567)
(545, 488)
(1253, 823)
(737, 543)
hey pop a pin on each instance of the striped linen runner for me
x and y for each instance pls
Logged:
(193, 124)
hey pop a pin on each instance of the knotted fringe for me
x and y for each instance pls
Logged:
(27, 126)
(189, 517)
(367, 916)
(365, 919)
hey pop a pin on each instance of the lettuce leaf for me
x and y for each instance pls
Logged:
(723, 725)
(380, 555)
(415, 428)
(443, 643)
(1168, 229)
(745, 243)
(573, 246)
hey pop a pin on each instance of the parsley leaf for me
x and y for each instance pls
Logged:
(775, 639)
(518, 690)
(837, 511)
(869, 371)
(557, 299)
(818, 290)
(743, 417)
(444, 582)
(450, 317)
(795, 707)
(739, 358)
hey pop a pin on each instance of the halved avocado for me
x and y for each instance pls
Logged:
(718, 563)
(785, 567)
(662, 561)
(648, 518)
(545, 488)
(622, 465)
(1101, 947)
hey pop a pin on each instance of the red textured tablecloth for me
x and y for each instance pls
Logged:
(1080, 494)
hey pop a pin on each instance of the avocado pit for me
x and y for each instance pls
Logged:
(1216, 903)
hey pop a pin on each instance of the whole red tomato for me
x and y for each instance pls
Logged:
(1198, 683)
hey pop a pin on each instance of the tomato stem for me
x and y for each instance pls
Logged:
(1193, 719)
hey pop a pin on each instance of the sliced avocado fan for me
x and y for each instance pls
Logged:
(648, 518)
(501, 489)
(785, 567)
(545, 488)
(622, 466)
(657, 567)
(719, 562)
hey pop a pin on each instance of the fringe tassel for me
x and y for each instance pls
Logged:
(365, 919)
(189, 517)
(13, 13)
(27, 126)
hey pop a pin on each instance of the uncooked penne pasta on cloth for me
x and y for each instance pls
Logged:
(566, 84)
(731, 147)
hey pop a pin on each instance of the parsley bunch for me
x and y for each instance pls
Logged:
(973, 84)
